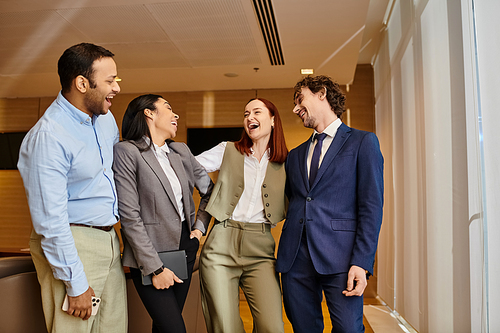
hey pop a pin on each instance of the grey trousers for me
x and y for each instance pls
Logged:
(238, 254)
(99, 252)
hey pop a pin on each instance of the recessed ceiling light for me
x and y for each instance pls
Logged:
(231, 74)
(306, 71)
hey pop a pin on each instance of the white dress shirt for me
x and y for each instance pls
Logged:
(330, 132)
(161, 154)
(250, 207)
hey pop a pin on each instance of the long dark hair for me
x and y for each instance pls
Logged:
(79, 60)
(276, 145)
(134, 125)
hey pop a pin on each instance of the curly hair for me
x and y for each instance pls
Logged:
(334, 95)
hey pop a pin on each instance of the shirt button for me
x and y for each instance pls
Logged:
(308, 199)
(104, 169)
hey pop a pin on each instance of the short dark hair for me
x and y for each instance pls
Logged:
(276, 145)
(334, 95)
(78, 60)
(134, 124)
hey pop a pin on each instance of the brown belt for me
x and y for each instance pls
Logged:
(107, 228)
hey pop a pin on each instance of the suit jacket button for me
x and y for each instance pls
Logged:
(267, 204)
(268, 215)
(264, 185)
(308, 199)
(301, 221)
(266, 195)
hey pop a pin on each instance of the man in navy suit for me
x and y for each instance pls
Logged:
(335, 188)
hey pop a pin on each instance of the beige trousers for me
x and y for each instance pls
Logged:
(99, 252)
(238, 254)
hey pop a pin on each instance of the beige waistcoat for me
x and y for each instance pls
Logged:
(230, 184)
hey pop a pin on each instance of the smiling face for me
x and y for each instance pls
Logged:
(258, 121)
(307, 106)
(163, 124)
(97, 100)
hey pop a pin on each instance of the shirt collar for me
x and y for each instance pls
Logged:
(331, 129)
(77, 114)
(163, 148)
(266, 153)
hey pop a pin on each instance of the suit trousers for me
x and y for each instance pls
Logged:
(238, 254)
(165, 305)
(303, 290)
(99, 252)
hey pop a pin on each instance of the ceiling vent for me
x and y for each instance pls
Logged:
(267, 21)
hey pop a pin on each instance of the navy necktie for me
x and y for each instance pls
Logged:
(315, 158)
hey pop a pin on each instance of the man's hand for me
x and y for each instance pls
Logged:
(358, 275)
(196, 233)
(165, 279)
(81, 306)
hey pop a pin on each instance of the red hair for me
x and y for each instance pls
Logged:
(276, 144)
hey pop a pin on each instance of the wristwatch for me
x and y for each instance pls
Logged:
(159, 271)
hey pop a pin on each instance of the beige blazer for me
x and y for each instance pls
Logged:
(148, 213)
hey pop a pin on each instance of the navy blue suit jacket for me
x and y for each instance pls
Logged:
(342, 211)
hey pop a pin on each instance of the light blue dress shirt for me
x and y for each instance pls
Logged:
(65, 162)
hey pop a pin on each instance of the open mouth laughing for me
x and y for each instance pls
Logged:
(253, 126)
(108, 99)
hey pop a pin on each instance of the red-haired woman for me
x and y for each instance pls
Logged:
(248, 199)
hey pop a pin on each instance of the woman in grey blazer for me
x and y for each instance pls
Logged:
(154, 179)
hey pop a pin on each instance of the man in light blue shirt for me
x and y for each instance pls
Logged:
(65, 162)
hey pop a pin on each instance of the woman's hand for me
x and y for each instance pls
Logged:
(196, 233)
(165, 279)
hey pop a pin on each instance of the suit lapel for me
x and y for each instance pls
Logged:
(176, 163)
(303, 151)
(343, 133)
(150, 159)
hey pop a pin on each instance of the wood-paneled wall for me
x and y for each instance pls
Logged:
(196, 109)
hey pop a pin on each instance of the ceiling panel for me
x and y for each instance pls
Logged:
(115, 24)
(185, 45)
(147, 55)
(208, 33)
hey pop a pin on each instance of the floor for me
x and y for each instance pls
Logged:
(377, 318)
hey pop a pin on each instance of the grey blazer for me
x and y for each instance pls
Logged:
(149, 216)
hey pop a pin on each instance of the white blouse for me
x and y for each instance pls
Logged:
(250, 207)
(161, 154)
